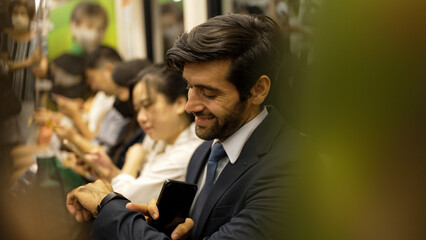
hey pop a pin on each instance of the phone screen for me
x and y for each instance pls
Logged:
(173, 203)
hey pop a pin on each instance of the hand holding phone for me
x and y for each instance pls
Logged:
(174, 203)
(81, 156)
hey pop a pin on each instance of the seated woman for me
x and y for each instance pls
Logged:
(159, 97)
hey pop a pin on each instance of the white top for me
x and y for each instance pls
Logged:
(101, 104)
(160, 165)
(233, 146)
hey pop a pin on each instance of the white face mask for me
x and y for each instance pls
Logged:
(20, 22)
(87, 38)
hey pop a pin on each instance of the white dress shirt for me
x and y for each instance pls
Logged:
(162, 163)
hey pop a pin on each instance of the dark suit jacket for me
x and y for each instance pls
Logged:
(247, 201)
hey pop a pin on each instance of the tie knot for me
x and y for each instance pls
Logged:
(217, 153)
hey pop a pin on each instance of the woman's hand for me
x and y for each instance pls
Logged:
(64, 132)
(42, 115)
(136, 153)
(135, 157)
(40, 69)
(70, 161)
(36, 57)
(100, 165)
(30, 61)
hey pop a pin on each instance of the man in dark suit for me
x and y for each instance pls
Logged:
(246, 169)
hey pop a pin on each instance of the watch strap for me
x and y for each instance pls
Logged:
(111, 196)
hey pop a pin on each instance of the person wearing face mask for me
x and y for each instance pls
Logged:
(88, 25)
(23, 60)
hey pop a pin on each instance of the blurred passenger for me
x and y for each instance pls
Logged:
(116, 120)
(21, 57)
(99, 67)
(67, 72)
(88, 25)
(114, 80)
(159, 98)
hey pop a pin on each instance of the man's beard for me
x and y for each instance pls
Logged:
(231, 123)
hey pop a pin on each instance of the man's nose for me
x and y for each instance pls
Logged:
(194, 103)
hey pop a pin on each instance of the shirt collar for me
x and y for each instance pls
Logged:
(234, 144)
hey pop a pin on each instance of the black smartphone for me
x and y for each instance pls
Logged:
(174, 203)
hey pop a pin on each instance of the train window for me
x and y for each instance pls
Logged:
(295, 17)
(171, 22)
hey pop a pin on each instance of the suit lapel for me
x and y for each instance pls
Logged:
(198, 161)
(228, 176)
(258, 144)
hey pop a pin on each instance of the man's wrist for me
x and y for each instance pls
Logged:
(108, 198)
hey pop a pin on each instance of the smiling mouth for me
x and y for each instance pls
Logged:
(202, 120)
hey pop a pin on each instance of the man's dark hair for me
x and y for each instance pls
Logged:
(29, 5)
(164, 80)
(89, 9)
(252, 42)
(102, 55)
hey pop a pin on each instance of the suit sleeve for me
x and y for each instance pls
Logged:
(116, 222)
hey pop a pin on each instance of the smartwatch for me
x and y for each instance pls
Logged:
(108, 198)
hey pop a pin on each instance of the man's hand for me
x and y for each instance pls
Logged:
(82, 202)
(183, 230)
(150, 211)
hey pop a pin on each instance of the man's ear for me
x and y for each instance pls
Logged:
(180, 104)
(260, 90)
